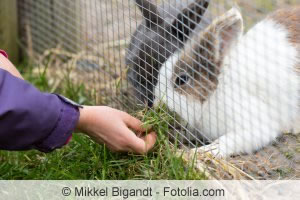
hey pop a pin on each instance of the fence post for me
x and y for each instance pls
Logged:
(9, 29)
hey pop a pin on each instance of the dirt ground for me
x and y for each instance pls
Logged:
(281, 160)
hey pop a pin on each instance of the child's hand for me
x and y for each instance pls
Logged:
(111, 127)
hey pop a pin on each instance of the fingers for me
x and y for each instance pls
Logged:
(142, 145)
(134, 123)
(138, 144)
(150, 140)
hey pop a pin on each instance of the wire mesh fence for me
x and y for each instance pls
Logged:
(225, 72)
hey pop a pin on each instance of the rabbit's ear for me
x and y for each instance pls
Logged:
(187, 20)
(150, 11)
(224, 32)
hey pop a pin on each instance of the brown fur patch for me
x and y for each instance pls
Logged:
(199, 63)
(202, 59)
(290, 19)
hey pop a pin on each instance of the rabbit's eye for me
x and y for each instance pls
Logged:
(182, 80)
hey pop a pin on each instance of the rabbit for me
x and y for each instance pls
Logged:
(240, 91)
(163, 30)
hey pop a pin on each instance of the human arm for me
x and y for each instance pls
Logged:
(30, 119)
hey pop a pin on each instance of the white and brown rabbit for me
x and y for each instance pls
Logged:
(240, 91)
(164, 29)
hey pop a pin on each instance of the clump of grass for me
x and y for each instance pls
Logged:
(289, 155)
(84, 159)
(284, 172)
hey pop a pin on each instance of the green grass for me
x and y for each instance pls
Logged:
(84, 159)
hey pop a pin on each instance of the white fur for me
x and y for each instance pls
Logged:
(257, 96)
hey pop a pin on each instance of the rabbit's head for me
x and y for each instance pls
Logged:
(163, 30)
(189, 77)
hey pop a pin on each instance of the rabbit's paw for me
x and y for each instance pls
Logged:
(213, 149)
(296, 128)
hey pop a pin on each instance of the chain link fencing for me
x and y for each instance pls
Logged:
(233, 98)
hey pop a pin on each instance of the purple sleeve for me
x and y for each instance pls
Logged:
(30, 119)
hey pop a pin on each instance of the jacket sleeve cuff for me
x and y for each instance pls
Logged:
(62, 132)
(3, 53)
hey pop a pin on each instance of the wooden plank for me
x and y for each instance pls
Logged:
(36, 26)
(46, 24)
(9, 29)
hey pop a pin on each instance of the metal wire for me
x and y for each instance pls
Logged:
(120, 55)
